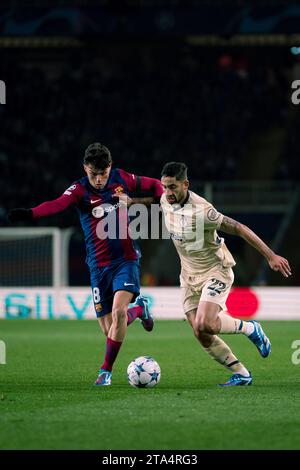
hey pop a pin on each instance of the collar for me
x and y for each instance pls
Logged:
(186, 199)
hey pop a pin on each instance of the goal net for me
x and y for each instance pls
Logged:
(34, 257)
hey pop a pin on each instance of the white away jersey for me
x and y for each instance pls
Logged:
(193, 231)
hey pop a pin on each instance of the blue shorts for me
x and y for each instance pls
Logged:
(109, 279)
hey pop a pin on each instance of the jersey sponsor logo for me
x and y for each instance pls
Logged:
(112, 207)
(98, 212)
(213, 215)
(128, 284)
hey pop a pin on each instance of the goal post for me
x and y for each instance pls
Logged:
(34, 257)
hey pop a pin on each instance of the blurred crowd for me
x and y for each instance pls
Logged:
(133, 3)
(149, 103)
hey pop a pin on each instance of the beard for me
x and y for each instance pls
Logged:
(172, 199)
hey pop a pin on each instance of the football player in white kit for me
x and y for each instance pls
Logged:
(206, 269)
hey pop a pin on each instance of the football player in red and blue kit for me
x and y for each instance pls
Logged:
(113, 261)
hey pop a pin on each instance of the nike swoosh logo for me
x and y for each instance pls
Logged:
(95, 200)
(128, 284)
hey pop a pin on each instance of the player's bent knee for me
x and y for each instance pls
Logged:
(203, 325)
(199, 325)
(204, 338)
(119, 315)
(197, 332)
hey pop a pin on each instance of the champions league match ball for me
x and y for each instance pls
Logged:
(143, 372)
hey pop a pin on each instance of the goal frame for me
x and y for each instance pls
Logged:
(60, 248)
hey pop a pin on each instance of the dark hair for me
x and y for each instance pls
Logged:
(97, 155)
(177, 169)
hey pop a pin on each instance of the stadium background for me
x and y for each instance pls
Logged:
(154, 84)
(154, 81)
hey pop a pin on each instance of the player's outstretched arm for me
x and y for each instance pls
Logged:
(71, 196)
(45, 209)
(276, 262)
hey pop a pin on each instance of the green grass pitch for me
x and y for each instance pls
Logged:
(47, 400)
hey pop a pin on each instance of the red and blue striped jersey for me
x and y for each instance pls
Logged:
(93, 204)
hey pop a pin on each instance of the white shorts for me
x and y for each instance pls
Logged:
(213, 288)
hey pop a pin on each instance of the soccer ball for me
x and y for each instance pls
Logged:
(143, 372)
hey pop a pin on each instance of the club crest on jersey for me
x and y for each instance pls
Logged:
(213, 215)
(98, 307)
(119, 190)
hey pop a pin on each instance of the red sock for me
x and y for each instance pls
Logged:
(112, 349)
(133, 313)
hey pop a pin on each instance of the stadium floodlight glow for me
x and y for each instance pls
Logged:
(295, 50)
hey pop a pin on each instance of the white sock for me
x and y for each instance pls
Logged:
(221, 353)
(234, 325)
(248, 326)
(240, 369)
